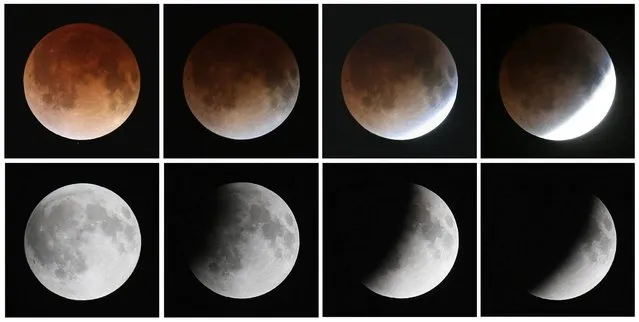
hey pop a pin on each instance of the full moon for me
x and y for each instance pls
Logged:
(557, 82)
(253, 243)
(399, 81)
(425, 252)
(82, 241)
(81, 81)
(588, 262)
(241, 81)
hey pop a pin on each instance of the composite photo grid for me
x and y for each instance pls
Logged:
(438, 160)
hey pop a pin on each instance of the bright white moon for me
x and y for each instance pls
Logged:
(589, 261)
(82, 241)
(425, 253)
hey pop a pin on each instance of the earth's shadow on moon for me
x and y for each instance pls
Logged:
(554, 219)
(386, 203)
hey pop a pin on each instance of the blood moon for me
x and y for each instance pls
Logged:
(399, 81)
(241, 81)
(81, 81)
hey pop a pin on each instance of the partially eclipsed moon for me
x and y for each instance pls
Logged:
(399, 81)
(82, 241)
(589, 261)
(252, 247)
(241, 81)
(557, 82)
(425, 252)
(81, 81)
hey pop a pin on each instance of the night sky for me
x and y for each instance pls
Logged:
(530, 215)
(185, 25)
(137, 25)
(187, 197)
(612, 25)
(364, 206)
(28, 184)
(343, 136)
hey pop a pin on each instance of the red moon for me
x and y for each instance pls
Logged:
(81, 81)
(241, 81)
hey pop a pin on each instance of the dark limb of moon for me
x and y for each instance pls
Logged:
(399, 81)
(251, 244)
(241, 81)
(557, 82)
(82, 242)
(81, 81)
(424, 253)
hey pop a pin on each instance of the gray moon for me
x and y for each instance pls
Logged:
(425, 252)
(241, 81)
(253, 246)
(82, 241)
(557, 82)
(589, 261)
(399, 81)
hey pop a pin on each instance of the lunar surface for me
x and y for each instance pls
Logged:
(425, 252)
(82, 241)
(557, 82)
(399, 81)
(81, 81)
(589, 261)
(241, 81)
(253, 245)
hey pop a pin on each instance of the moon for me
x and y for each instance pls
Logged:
(588, 262)
(81, 81)
(399, 81)
(82, 241)
(557, 82)
(252, 246)
(425, 252)
(241, 81)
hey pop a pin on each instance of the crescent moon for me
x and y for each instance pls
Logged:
(425, 253)
(589, 261)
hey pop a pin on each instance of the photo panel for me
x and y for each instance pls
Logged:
(241, 240)
(399, 240)
(81, 240)
(399, 81)
(558, 81)
(81, 81)
(557, 240)
(240, 80)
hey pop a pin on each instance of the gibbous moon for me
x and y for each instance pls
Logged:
(241, 81)
(557, 82)
(399, 81)
(425, 252)
(589, 261)
(252, 246)
(81, 81)
(82, 241)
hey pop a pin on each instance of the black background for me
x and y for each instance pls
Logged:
(530, 213)
(188, 191)
(612, 25)
(363, 213)
(455, 25)
(137, 137)
(185, 25)
(27, 185)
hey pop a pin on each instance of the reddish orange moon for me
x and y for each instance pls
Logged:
(241, 81)
(81, 81)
